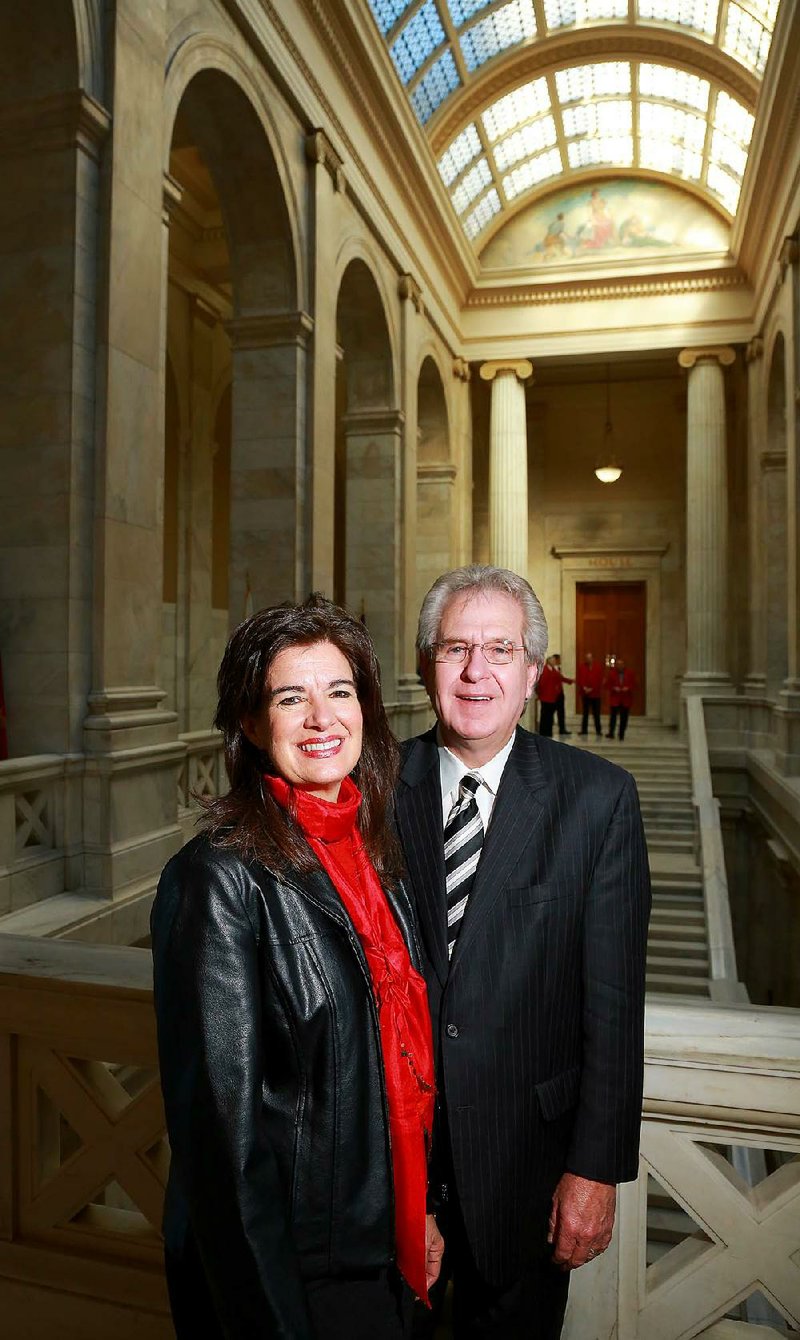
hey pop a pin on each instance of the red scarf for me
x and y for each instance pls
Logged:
(405, 1028)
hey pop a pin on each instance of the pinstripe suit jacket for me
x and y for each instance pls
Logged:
(538, 1017)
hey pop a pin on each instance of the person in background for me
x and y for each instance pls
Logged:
(621, 685)
(548, 687)
(293, 1026)
(528, 864)
(555, 661)
(590, 683)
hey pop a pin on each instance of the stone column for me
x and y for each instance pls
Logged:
(706, 522)
(508, 464)
(755, 681)
(372, 562)
(787, 713)
(268, 460)
(411, 697)
(133, 754)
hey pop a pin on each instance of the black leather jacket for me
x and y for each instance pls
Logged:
(273, 1085)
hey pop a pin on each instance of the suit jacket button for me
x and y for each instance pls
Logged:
(452, 1031)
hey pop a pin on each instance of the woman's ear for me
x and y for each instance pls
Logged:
(253, 730)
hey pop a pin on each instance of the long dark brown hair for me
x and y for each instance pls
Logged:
(248, 819)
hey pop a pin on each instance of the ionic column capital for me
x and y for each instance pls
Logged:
(714, 353)
(521, 367)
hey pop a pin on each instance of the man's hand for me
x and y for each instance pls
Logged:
(434, 1250)
(581, 1220)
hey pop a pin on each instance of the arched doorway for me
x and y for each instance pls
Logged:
(239, 368)
(435, 478)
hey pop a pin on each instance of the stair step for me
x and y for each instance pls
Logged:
(695, 950)
(681, 964)
(676, 984)
(669, 1224)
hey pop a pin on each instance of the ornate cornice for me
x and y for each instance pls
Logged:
(320, 151)
(550, 53)
(60, 121)
(607, 551)
(269, 330)
(523, 295)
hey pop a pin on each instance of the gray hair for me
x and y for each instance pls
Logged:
(480, 579)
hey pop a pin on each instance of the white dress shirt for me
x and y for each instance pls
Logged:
(452, 769)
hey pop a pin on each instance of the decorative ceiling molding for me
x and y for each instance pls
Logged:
(536, 295)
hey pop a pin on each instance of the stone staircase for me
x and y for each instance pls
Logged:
(677, 950)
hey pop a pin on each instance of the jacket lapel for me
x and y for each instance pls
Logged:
(516, 816)
(419, 818)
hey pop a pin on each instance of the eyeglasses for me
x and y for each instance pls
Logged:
(498, 652)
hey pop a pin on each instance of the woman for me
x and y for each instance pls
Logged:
(294, 1036)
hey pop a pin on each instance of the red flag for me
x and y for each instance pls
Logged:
(3, 730)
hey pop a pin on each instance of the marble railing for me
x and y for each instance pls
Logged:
(721, 1082)
(36, 797)
(83, 1162)
(724, 978)
(202, 774)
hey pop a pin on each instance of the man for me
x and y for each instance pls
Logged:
(548, 687)
(590, 683)
(555, 661)
(621, 684)
(528, 864)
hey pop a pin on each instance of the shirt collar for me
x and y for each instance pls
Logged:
(452, 769)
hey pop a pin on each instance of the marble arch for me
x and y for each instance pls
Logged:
(202, 56)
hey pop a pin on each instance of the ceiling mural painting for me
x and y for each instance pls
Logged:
(619, 219)
(567, 119)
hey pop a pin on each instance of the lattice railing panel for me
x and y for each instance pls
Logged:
(33, 816)
(746, 1238)
(96, 1164)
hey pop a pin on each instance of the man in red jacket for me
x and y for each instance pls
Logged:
(548, 688)
(621, 684)
(555, 660)
(590, 683)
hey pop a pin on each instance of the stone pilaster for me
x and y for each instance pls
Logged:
(756, 679)
(706, 522)
(327, 195)
(268, 459)
(787, 713)
(508, 464)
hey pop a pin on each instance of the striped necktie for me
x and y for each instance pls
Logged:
(463, 839)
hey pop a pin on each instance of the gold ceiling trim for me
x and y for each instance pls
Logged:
(537, 295)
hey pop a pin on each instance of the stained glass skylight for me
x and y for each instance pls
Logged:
(573, 117)
(622, 114)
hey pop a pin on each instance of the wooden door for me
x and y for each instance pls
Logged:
(610, 621)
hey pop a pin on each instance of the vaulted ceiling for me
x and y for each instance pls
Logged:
(520, 97)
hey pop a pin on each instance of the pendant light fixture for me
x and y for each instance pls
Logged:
(608, 469)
